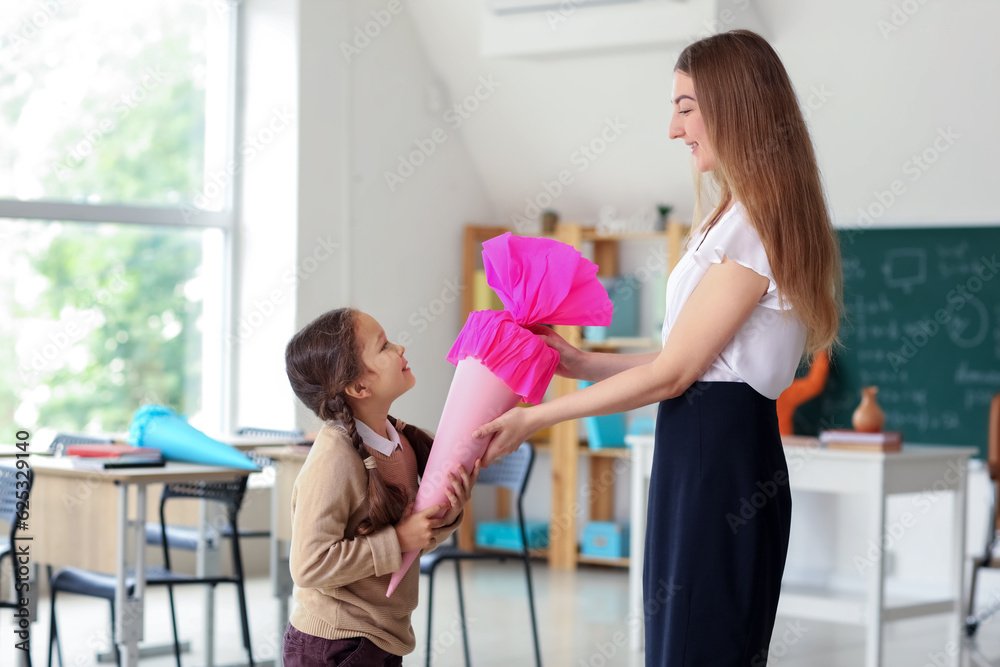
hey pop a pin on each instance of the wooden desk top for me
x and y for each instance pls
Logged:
(245, 442)
(59, 466)
(290, 453)
(10, 451)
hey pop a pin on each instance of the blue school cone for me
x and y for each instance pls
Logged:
(160, 427)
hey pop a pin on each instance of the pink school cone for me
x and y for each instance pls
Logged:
(476, 397)
(498, 359)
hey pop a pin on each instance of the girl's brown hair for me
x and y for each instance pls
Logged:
(321, 361)
(765, 159)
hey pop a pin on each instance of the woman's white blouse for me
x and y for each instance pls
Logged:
(765, 352)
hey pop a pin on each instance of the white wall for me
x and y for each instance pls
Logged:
(268, 206)
(875, 102)
(321, 227)
(405, 250)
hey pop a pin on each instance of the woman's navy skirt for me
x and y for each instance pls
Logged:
(717, 529)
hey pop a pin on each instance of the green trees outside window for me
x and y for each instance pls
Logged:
(104, 102)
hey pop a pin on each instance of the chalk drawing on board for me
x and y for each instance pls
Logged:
(853, 268)
(905, 268)
(962, 328)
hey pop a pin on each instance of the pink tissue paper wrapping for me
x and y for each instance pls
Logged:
(498, 360)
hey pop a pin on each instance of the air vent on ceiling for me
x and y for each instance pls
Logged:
(517, 6)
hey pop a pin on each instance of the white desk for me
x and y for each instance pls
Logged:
(875, 475)
(70, 527)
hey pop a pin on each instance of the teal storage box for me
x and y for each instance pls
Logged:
(605, 539)
(606, 431)
(624, 295)
(506, 534)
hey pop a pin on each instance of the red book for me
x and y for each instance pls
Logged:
(888, 441)
(110, 451)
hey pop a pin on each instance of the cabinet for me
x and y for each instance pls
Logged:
(563, 442)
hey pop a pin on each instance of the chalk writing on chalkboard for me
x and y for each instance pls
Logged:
(905, 268)
(921, 321)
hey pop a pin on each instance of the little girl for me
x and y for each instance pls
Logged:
(351, 503)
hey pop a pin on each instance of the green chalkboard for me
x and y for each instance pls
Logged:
(922, 322)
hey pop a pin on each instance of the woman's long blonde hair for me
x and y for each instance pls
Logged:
(765, 159)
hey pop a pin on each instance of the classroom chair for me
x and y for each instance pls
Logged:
(510, 472)
(15, 486)
(100, 585)
(293, 435)
(61, 440)
(991, 554)
(186, 538)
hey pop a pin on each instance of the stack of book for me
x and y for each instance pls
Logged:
(889, 441)
(106, 457)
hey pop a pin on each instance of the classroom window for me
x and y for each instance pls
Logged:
(115, 226)
(108, 317)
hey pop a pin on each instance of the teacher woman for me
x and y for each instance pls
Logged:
(758, 289)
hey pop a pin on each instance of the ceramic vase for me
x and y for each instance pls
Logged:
(868, 417)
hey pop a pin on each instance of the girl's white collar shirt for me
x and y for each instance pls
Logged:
(384, 446)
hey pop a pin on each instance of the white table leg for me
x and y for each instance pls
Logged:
(876, 579)
(958, 558)
(129, 616)
(207, 564)
(281, 577)
(639, 495)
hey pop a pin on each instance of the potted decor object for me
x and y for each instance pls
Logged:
(868, 417)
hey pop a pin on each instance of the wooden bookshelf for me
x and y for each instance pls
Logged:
(563, 443)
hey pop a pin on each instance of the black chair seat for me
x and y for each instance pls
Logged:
(102, 585)
(84, 582)
(185, 538)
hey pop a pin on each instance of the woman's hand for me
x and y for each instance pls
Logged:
(460, 491)
(418, 531)
(511, 428)
(571, 360)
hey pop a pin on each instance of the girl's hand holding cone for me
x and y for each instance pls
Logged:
(416, 532)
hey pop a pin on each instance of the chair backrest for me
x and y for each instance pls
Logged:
(511, 471)
(261, 460)
(296, 434)
(11, 494)
(60, 441)
(229, 493)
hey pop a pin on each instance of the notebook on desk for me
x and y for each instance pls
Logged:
(107, 457)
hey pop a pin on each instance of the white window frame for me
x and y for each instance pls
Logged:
(183, 216)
